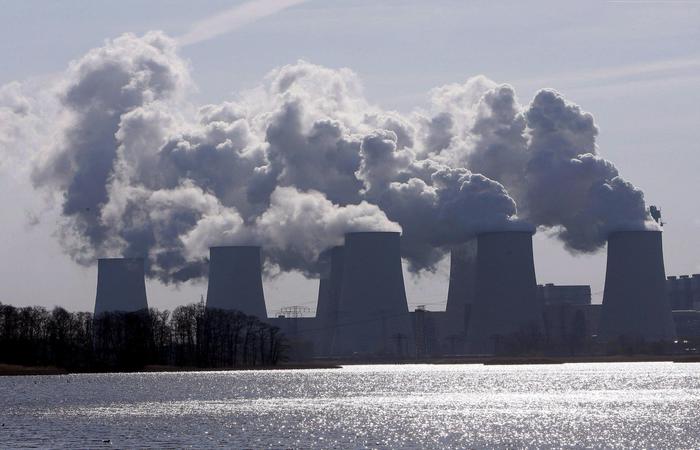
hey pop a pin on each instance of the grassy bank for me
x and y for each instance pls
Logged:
(14, 370)
(501, 360)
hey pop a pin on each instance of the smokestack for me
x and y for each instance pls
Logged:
(120, 285)
(505, 300)
(235, 280)
(329, 299)
(460, 294)
(373, 313)
(635, 303)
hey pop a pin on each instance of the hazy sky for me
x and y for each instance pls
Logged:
(635, 65)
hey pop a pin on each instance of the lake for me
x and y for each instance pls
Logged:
(405, 406)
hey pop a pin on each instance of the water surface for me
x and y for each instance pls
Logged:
(412, 406)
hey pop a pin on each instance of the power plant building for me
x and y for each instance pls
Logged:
(373, 317)
(570, 319)
(687, 324)
(684, 292)
(635, 301)
(121, 286)
(425, 326)
(235, 280)
(548, 294)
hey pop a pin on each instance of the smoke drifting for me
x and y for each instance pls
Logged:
(18, 126)
(546, 156)
(304, 158)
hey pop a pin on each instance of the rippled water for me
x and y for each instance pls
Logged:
(570, 405)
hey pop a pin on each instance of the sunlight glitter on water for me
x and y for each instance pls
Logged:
(572, 405)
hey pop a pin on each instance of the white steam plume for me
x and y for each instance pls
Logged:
(304, 158)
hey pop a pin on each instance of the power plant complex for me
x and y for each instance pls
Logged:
(493, 303)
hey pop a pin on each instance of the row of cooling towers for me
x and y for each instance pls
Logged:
(362, 307)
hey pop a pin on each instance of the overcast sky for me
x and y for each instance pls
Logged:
(635, 65)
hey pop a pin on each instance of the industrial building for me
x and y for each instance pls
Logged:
(687, 324)
(121, 285)
(551, 294)
(684, 297)
(684, 292)
(427, 330)
(570, 320)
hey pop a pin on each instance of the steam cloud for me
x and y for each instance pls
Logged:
(304, 158)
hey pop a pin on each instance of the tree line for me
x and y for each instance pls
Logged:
(189, 336)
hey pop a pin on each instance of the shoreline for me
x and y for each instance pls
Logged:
(18, 370)
(528, 360)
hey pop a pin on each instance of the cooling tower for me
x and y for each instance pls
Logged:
(505, 307)
(460, 295)
(235, 280)
(373, 316)
(323, 302)
(120, 285)
(635, 303)
(328, 300)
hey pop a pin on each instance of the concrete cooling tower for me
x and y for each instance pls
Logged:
(322, 302)
(328, 300)
(635, 303)
(460, 295)
(373, 316)
(120, 285)
(505, 294)
(235, 280)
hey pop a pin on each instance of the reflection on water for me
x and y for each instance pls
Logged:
(571, 405)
